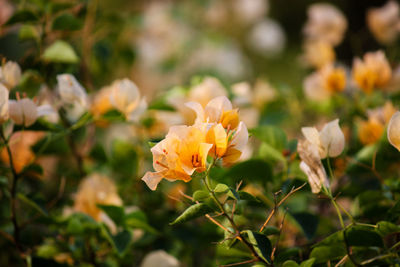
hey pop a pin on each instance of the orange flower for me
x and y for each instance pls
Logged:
(183, 151)
(373, 72)
(384, 22)
(370, 131)
(318, 53)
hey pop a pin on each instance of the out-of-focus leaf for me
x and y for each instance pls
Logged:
(27, 32)
(200, 195)
(363, 237)
(137, 219)
(224, 251)
(270, 230)
(124, 158)
(328, 253)
(334, 239)
(32, 204)
(261, 244)
(247, 196)
(221, 188)
(116, 213)
(192, 212)
(290, 263)
(251, 170)
(23, 15)
(67, 22)
(307, 263)
(47, 251)
(271, 135)
(120, 242)
(270, 153)
(308, 223)
(74, 226)
(60, 52)
(387, 228)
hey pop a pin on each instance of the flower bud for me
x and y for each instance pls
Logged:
(73, 96)
(393, 131)
(10, 74)
(3, 104)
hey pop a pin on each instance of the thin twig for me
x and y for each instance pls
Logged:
(276, 206)
(343, 260)
(279, 236)
(239, 263)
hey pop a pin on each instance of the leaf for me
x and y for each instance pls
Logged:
(271, 230)
(261, 244)
(67, 22)
(224, 251)
(360, 236)
(192, 212)
(27, 32)
(253, 169)
(333, 239)
(74, 226)
(269, 153)
(120, 242)
(60, 52)
(124, 158)
(271, 135)
(200, 195)
(308, 263)
(221, 188)
(290, 263)
(116, 213)
(325, 253)
(32, 204)
(387, 228)
(137, 219)
(233, 194)
(247, 196)
(47, 251)
(308, 223)
(22, 16)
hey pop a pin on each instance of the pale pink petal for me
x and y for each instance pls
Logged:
(152, 179)
(241, 137)
(198, 109)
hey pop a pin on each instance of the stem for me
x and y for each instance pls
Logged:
(338, 211)
(230, 219)
(13, 193)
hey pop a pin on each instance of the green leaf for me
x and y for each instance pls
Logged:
(200, 195)
(250, 170)
(261, 244)
(224, 251)
(271, 135)
(151, 144)
(124, 158)
(333, 239)
(32, 204)
(67, 22)
(290, 263)
(120, 242)
(27, 32)
(328, 253)
(363, 237)
(192, 212)
(308, 223)
(47, 251)
(221, 188)
(22, 16)
(271, 230)
(60, 52)
(246, 196)
(74, 226)
(137, 219)
(308, 263)
(269, 153)
(387, 228)
(116, 213)
(233, 194)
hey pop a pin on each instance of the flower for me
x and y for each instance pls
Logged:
(393, 132)
(326, 23)
(384, 22)
(312, 166)
(73, 96)
(372, 72)
(218, 110)
(318, 53)
(10, 74)
(93, 190)
(329, 141)
(159, 258)
(101, 103)
(125, 97)
(250, 11)
(183, 151)
(322, 84)
(20, 145)
(25, 111)
(4, 114)
(371, 131)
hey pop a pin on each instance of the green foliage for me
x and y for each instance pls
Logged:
(192, 212)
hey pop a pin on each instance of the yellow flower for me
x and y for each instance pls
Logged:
(384, 22)
(101, 103)
(96, 189)
(218, 110)
(183, 151)
(373, 72)
(318, 53)
(370, 131)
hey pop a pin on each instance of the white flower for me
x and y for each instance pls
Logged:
(159, 258)
(3, 103)
(330, 141)
(267, 38)
(393, 131)
(10, 74)
(125, 97)
(25, 111)
(249, 11)
(384, 22)
(73, 96)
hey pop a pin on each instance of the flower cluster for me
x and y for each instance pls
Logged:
(217, 132)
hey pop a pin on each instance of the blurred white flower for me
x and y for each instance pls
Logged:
(125, 97)
(318, 53)
(159, 258)
(384, 22)
(25, 112)
(267, 38)
(10, 74)
(73, 96)
(250, 11)
(6, 11)
(393, 131)
(329, 141)
(4, 114)
(325, 22)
